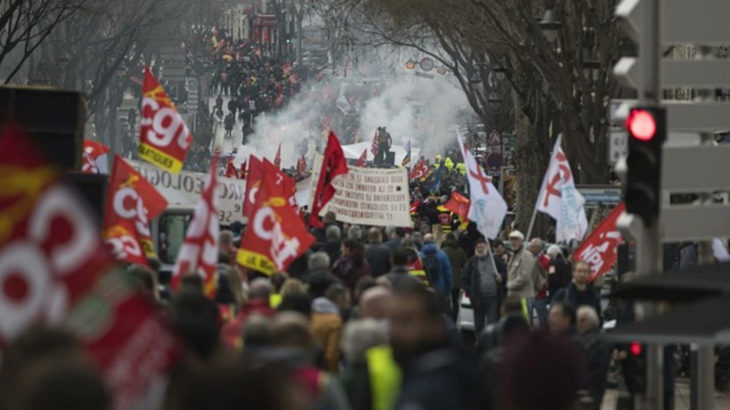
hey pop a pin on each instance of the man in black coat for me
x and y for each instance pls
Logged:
(377, 254)
(579, 292)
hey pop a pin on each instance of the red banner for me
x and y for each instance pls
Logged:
(164, 137)
(121, 331)
(242, 170)
(599, 250)
(92, 151)
(231, 171)
(275, 235)
(199, 253)
(131, 203)
(50, 253)
(333, 164)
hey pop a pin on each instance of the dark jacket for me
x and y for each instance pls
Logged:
(457, 258)
(378, 256)
(471, 280)
(442, 379)
(332, 248)
(319, 281)
(393, 244)
(559, 275)
(577, 298)
(598, 353)
(351, 268)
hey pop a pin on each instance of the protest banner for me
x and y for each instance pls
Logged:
(371, 196)
(185, 187)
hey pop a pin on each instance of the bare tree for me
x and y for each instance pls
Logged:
(25, 24)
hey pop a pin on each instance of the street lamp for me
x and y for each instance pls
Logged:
(550, 26)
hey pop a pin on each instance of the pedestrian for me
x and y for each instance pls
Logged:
(438, 270)
(457, 258)
(521, 268)
(481, 281)
(561, 319)
(559, 274)
(318, 277)
(377, 254)
(579, 292)
(436, 375)
(327, 324)
(598, 353)
(352, 265)
(333, 244)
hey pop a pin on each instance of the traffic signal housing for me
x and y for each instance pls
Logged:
(646, 126)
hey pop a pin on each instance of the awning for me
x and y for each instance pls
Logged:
(676, 286)
(705, 322)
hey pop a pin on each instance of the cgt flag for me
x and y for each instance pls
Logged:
(487, 208)
(199, 253)
(276, 235)
(93, 151)
(131, 203)
(50, 253)
(560, 199)
(285, 186)
(599, 250)
(419, 171)
(164, 138)
(333, 164)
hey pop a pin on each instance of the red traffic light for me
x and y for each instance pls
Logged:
(635, 348)
(641, 125)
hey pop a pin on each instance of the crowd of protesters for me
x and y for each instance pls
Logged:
(368, 318)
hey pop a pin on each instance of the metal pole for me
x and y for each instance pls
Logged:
(532, 222)
(648, 259)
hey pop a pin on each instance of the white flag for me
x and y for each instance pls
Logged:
(560, 199)
(487, 208)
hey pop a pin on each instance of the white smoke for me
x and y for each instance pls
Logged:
(426, 110)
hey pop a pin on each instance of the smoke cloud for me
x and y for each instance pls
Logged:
(426, 110)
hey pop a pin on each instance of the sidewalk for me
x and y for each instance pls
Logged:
(681, 398)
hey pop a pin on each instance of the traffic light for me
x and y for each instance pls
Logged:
(287, 39)
(634, 368)
(647, 133)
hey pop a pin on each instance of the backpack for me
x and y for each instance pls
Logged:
(431, 266)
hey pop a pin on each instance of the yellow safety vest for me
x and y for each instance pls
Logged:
(275, 300)
(385, 377)
(448, 163)
(461, 167)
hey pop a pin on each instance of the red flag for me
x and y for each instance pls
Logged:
(333, 164)
(231, 171)
(92, 151)
(121, 331)
(242, 170)
(50, 253)
(302, 166)
(458, 204)
(131, 203)
(277, 158)
(285, 186)
(199, 253)
(374, 145)
(415, 205)
(164, 137)
(419, 171)
(363, 160)
(275, 235)
(599, 250)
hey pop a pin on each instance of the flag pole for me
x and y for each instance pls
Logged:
(532, 223)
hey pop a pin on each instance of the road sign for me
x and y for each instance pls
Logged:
(675, 73)
(695, 21)
(683, 21)
(698, 168)
(695, 222)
